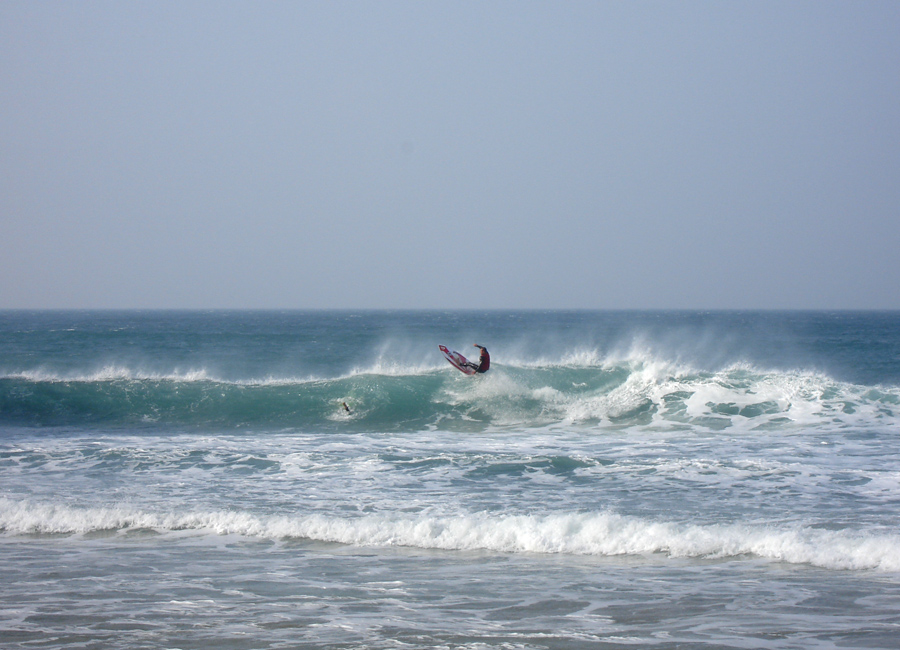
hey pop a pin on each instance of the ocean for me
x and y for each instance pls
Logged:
(617, 480)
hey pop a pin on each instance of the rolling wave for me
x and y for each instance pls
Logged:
(580, 389)
(598, 534)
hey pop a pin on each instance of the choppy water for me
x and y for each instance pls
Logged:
(192, 480)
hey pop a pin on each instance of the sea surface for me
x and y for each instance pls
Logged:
(616, 480)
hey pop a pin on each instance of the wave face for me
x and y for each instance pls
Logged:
(631, 392)
(224, 370)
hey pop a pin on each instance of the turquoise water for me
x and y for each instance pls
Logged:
(675, 479)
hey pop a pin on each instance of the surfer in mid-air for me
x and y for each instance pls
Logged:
(462, 364)
(484, 361)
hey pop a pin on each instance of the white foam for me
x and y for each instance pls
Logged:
(110, 373)
(606, 534)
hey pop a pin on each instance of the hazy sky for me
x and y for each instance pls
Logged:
(450, 154)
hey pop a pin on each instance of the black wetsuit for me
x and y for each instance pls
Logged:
(485, 361)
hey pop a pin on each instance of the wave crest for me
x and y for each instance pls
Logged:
(600, 534)
(583, 390)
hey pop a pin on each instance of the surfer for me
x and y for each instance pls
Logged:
(484, 361)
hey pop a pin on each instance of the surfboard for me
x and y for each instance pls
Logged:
(456, 360)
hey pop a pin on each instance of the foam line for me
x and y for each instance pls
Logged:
(602, 534)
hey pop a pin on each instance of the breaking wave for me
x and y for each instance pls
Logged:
(598, 534)
(579, 389)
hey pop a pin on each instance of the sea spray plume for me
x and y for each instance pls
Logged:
(698, 341)
(109, 373)
(399, 354)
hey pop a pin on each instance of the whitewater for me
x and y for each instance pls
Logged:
(618, 479)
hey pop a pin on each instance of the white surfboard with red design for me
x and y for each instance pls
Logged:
(457, 360)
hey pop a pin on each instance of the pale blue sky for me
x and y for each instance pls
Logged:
(445, 155)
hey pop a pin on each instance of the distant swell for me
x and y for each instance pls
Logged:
(602, 534)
